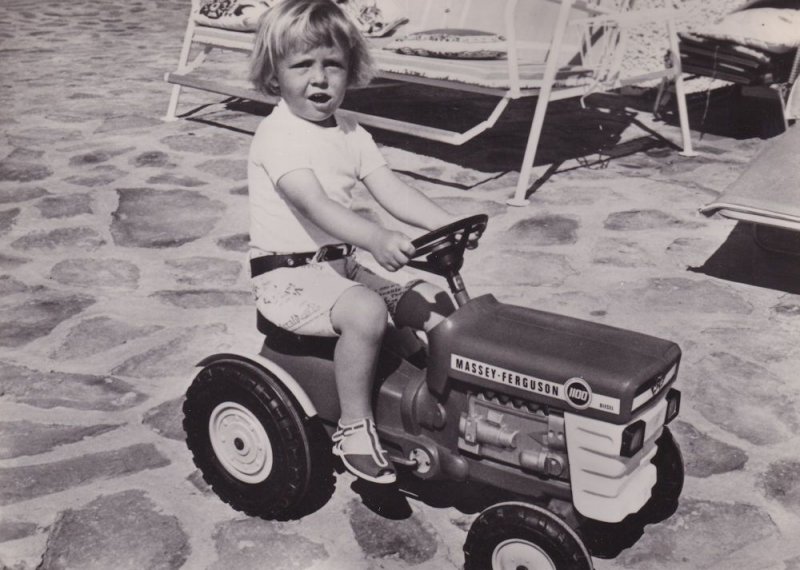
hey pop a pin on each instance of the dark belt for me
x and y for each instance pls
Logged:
(259, 265)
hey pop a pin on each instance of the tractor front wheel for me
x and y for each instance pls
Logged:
(514, 536)
(607, 540)
(669, 483)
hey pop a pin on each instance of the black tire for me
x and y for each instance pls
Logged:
(518, 535)
(669, 482)
(252, 444)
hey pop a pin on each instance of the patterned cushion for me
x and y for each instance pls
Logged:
(374, 18)
(451, 43)
(771, 29)
(239, 15)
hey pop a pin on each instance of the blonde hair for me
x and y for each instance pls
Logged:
(296, 25)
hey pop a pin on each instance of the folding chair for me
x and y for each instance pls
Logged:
(762, 58)
(555, 49)
(768, 192)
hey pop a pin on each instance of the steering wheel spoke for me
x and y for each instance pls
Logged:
(443, 248)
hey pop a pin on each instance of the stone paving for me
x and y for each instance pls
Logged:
(123, 242)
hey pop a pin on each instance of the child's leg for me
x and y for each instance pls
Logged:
(360, 318)
(316, 299)
(417, 304)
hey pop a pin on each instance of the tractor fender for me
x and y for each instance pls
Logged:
(270, 367)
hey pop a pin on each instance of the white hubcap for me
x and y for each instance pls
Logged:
(240, 442)
(518, 554)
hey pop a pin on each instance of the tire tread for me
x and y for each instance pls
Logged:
(300, 456)
(504, 521)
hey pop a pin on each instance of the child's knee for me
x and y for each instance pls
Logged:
(423, 306)
(360, 310)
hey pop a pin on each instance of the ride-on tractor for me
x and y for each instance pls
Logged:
(564, 417)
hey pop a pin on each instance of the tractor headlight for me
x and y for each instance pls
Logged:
(673, 405)
(632, 439)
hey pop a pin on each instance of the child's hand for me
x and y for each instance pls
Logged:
(391, 249)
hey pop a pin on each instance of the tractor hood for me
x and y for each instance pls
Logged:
(561, 362)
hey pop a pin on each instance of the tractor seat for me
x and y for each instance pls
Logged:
(403, 342)
(287, 342)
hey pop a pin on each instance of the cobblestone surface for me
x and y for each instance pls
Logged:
(122, 242)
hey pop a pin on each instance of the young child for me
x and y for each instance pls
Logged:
(304, 164)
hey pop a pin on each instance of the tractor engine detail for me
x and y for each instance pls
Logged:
(490, 430)
(515, 433)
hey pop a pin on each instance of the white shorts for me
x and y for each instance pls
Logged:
(300, 299)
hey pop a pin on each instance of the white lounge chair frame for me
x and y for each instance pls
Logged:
(548, 88)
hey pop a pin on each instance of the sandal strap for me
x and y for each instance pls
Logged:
(367, 440)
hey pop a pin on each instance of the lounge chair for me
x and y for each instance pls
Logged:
(767, 194)
(552, 50)
(756, 47)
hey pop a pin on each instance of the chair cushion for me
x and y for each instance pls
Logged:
(774, 30)
(374, 18)
(239, 15)
(452, 43)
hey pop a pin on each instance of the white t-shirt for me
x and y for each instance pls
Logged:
(339, 156)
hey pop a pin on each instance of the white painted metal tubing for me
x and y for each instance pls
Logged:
(680, 93)
(551, 66)
(182, 63)
(462, 19)
(430, 133)
(512, 54)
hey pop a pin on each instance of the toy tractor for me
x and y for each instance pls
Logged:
(558, 414)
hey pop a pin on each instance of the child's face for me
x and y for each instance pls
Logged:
(313, 82)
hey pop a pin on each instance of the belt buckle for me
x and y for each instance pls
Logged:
(322, 254)
(326, 251)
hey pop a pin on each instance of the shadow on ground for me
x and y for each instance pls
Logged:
(391, 501)
(726, 112)
(757, 255)
(588, 131)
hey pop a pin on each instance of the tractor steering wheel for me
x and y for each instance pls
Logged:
(444, 247)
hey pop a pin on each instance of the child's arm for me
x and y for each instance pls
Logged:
(405, 203)
(389, 248)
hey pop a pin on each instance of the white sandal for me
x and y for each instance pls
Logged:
(361, 453)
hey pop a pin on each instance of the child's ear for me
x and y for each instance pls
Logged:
(273, 85)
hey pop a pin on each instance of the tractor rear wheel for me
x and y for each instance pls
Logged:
(251, 442)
